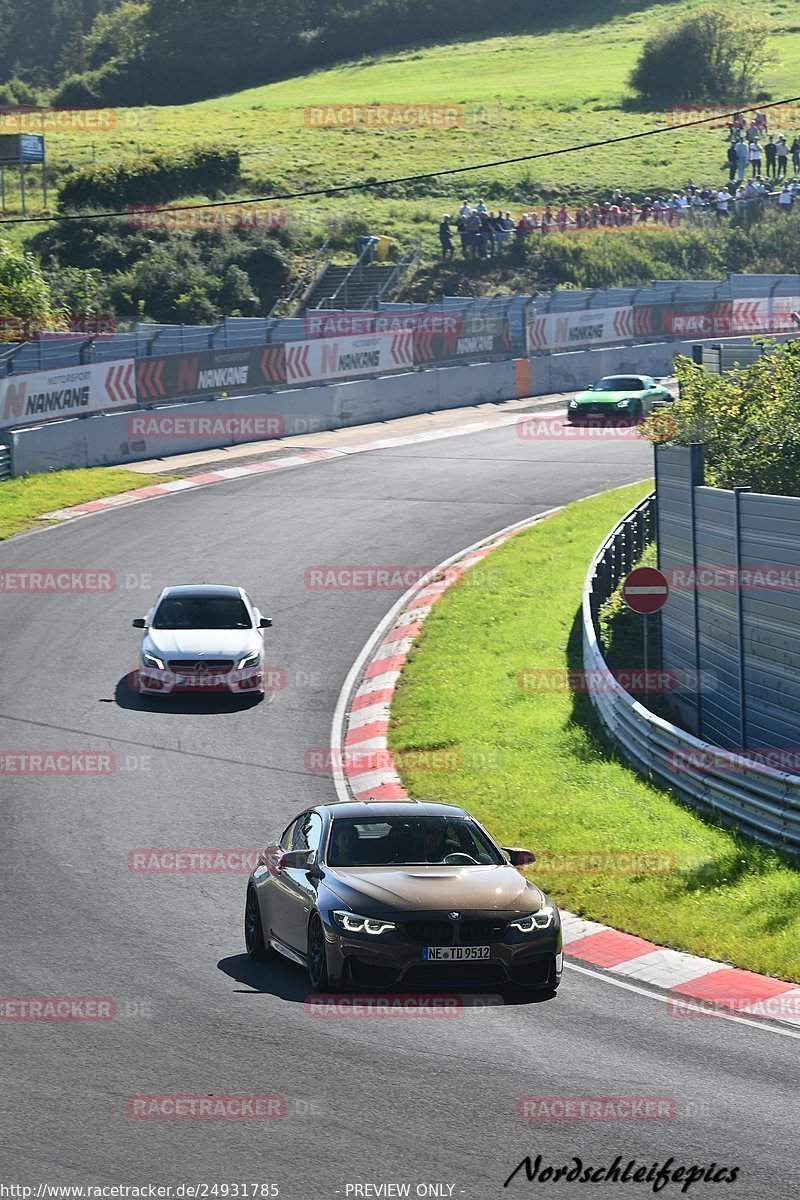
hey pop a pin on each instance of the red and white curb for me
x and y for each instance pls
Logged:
(226, 474)
(363, 768)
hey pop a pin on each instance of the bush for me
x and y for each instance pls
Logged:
(749, 421)
(17, 91)
(190, 276)
(707, 55)
(24, 294)
(151, 179)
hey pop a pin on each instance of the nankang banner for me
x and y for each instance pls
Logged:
(477, 337)
(209, 373)
(581, 327)
(348, 357)
(67, 392)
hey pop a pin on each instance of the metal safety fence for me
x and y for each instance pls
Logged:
(757, 799)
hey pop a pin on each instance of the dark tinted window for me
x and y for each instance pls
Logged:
(202, 612)
(409, 841)
(620, 383)
(286, 837)
(307, 832)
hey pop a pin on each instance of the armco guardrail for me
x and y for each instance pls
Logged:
(5, 462)
(761, 802)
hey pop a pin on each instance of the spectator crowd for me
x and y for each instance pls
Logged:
(485, 233)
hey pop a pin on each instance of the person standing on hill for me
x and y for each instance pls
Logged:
(448, 250)
(723, 200)
(795, 152)
(742, 150)
(756, 154)
(770, 154)
(782, 155)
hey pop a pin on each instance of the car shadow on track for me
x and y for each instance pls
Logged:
(286, 981)
(187, 703)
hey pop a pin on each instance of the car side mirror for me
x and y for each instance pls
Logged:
(518, 857)
(265, 623)
(296, 860)
(139, 623)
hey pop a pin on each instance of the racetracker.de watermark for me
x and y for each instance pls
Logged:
(781, 1006)
(384, 116)
(57, 581)
(222, 216)
(209, 1108)
(57, 1008)
(323, 759)
(718, 116)
(660, 427)
(167, 860)
(735, 761)
(31, 329)
(378, 578)
(346, 324)
(712, 578)
(597, 1108)
(400, 1005)
(631, 679)
(234, 425)
(603, 862)
(31, 119)
(57, 762)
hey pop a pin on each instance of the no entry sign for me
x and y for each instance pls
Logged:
(645, 590)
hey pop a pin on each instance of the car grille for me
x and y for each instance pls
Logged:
(473, 974)
(449, 933)
(193, 665)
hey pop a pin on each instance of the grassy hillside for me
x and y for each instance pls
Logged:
(518, 93)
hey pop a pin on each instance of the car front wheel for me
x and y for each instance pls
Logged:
(317, 957)
(254, 940)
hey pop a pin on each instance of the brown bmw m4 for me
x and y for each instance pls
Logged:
(403, 893)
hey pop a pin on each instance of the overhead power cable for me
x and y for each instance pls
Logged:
(379, 183)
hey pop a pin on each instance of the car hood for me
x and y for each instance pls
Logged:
(604, 397)
(201, 641)
(427, 889)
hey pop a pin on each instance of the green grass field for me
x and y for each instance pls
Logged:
(520, 93)
(23, 501)
(539, 772)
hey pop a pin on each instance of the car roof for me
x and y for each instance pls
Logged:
(202, 589)
(370, 809)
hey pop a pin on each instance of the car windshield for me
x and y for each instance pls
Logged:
(619, 383)
(409, 841)
(202, 612)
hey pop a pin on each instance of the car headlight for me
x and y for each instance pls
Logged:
(542, 919)
(150, 660)
(250, 660)
(573, 403)
(624, 403)
(353, 923)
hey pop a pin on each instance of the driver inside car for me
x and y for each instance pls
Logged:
(344, 843)
(434, 843)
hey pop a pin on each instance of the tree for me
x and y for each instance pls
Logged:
(748, 419)
(24, 294)
(708, 55)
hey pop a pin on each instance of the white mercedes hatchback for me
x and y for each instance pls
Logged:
(200, 638)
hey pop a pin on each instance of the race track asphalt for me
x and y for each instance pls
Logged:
(375, 1101)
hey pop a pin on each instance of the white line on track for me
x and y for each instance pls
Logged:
(685, 1001)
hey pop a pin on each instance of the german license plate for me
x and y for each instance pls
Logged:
(453, 953)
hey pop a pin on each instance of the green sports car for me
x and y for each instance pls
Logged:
(632, 396)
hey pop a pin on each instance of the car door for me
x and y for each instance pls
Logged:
(299, 892)
(271, 886)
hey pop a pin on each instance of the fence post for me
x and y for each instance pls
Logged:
(696, 477)
(737, 491)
